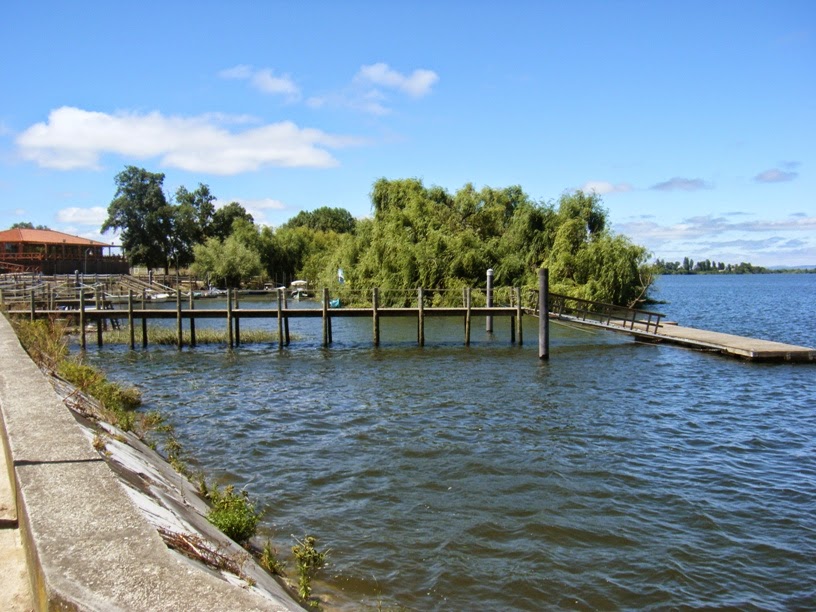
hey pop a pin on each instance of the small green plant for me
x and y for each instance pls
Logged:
(99, 443)
(269, 560)
(308, 562)
(45, 341)
(233, 513)
(88, 379)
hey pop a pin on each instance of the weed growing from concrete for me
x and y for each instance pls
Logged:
(233, 513)
(308, 562)
(269, 560)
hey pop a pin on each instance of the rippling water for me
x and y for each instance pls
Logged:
(616, 475)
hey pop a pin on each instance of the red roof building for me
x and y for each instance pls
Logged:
(50, 252)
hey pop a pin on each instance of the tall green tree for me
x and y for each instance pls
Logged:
(144, 218)
(427, 237)
(223, 219)
(192, 221)
(324, 219)
(228, 262)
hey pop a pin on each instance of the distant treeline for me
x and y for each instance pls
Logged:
(689, 266)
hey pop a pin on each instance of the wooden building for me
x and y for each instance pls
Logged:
(50, 252)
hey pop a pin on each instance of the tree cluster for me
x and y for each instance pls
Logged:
(158, 232)
(427, 237)
(418, 237)
(28, 225)
(689, 266)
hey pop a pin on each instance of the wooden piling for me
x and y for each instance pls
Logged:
(82, 342)
(131, 331)
(325, 316)
(420, 317)
(467, 316)
(544, 313)
(229, 318)
(280, 318)
(513, 318)
(144, 320)
(99, 319)
(489, 303)
(375, 304)
(179, 336)
(519, 315)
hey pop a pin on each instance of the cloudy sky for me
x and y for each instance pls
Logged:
(696, 121)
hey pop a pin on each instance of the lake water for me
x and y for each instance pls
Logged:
(615, 475)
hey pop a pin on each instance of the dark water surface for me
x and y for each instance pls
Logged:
(615, 475)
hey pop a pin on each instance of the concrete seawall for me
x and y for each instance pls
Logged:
(87, 545)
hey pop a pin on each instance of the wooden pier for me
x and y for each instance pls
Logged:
(643, 325)
(647, 326)
(233, 314)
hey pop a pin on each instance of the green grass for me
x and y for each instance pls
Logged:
(169, 337)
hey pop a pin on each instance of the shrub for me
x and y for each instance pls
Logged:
(233, 513)
(308, 561)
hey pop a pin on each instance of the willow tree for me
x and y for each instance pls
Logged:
(228, 262)
(589, 261)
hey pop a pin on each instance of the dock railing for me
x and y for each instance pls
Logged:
(604, 314)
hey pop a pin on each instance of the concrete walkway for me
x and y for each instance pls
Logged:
(87, 546)
(15, 591)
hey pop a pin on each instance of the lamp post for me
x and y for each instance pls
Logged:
(85, 269)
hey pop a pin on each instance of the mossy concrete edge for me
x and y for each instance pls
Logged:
(88, 547)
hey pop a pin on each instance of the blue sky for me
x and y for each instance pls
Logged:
(696, 121)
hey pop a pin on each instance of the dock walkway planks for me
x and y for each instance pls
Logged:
(751, 349)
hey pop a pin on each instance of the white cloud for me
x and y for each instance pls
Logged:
(416, 85)
(790, 240)
(775, 175)
(74, 138)
(604, 187)
(681, 184)
(264, 80)
(83, 216)
(241, 71)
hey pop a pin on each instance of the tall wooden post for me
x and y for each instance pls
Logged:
(131, 331)
(99, 319)
(179, 331)
(33, 305)
(144, 321)
(375, 304)
(229, 318)
(467, 316)
(280, 318)
(421, 318)
(489, 318)
(325, 316)
(544, 313)
(519, 315)
(82, 317)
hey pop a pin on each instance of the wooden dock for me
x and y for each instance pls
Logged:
(647, 326)
(644, 326)
(751, 349)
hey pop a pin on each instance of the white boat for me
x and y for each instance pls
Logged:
(299, 289)
(158, 297)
